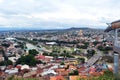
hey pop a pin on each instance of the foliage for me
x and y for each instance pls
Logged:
(62, 63)
(16, 78)
(96, 42)
(107, 48)
(101, 48)
(58, 42)
(105, 52)
(4, 55)
(11, 77)
(108, 75)
(91, 52)
(26, 40)
(6, 62)
(66, 55)
(53, 54)
(74, 72)
(22, 45)
(28, 59)
(82, 60)
(45, 54)
(33, 52)
(82, 46)
(5, 45)
(86, 43)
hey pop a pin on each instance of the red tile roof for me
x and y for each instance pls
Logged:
(57, 78)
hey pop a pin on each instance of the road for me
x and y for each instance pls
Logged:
(94, 59)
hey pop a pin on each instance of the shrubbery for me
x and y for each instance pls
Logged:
(108, 75)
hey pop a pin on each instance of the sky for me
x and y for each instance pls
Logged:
(58, 14)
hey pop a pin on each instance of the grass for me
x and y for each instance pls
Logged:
(108, 75)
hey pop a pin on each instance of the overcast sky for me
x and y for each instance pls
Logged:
(49, 14)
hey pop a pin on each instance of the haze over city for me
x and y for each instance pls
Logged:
(57, 14)
(59, 40)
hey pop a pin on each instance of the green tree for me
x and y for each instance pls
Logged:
(96, 42)
(74, 72)
(28, 59)
(101, 48)
(45, 54)
(62, 63)
(108, 48)
(9, 62)
(5, 45)
(91, 52)
(33, 52)
(82, 60)
(6, 62)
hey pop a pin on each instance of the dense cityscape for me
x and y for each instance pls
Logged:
(59, 39)
(67, 54)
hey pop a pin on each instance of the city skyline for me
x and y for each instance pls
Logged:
(57, 14)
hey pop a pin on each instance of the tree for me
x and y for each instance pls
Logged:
(6, 63)
(65, 54)
(101, 48)
(33, 52)
(96, 42)
(82, 60)
(62, 63)
(108, 48)
(5, 45)
(74, 72)
(28, 59)
(45, 54)
(9, 62)
(4, 55)
(105, 52)
(91, 52)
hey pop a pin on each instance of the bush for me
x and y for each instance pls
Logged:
(91, 52)
(108, 75)
(75, 72)
(16, 78)
(6, 62)
(82, 60)
(33, 52)
(62, 63)
(45, 54)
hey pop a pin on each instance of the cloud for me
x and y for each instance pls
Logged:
(1, 1)
(58, 13)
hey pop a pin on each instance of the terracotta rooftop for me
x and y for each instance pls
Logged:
(57, 78)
